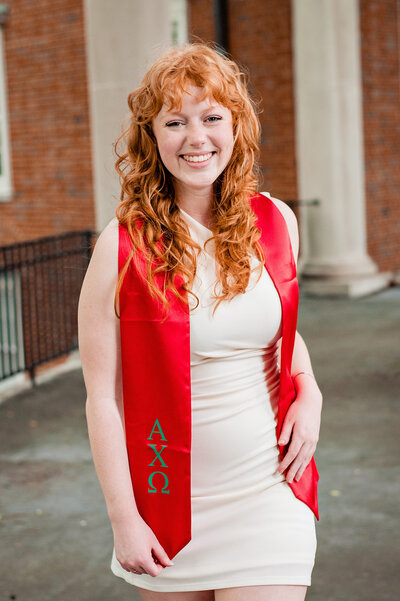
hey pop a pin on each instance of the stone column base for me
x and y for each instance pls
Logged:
(396, 278)
(345, 286)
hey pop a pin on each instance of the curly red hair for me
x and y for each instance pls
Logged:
(148, 208)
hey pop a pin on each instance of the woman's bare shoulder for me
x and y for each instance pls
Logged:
(108, 239)
(98, 325)
(103, 264)
(109, 234)
(291, 222)
(284, 208)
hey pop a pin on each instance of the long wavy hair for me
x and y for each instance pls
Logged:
(148, 207)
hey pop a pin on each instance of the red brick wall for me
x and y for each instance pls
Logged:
(48, 121)
(201, 20)
(380, 52)
(261, 39)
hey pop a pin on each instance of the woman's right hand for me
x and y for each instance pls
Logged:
(137, 547)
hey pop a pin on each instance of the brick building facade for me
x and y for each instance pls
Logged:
(260, 37)
(52, 136)
(48, 121)
(380, 52)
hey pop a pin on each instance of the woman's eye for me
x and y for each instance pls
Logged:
(211, 119)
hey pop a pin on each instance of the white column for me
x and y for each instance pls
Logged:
(329, 148)
(123, 37)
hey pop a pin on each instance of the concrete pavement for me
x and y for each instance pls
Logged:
(56, 540)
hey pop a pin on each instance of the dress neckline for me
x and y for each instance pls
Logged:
(199, 232)
(195, 222)
(199, 226)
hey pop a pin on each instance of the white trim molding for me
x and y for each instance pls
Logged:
(5, 161)
(178, 21)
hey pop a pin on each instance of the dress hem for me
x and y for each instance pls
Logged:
(205, 586)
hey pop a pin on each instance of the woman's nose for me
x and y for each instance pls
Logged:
(196, 134)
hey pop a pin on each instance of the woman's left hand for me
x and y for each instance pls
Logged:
(302, 421)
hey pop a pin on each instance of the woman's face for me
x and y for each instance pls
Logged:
(195, 144)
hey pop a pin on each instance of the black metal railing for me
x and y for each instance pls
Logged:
(40, 282)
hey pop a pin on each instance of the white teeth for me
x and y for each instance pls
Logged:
(197, 159)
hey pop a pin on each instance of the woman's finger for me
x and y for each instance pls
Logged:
(160, 556)
(287, 428)
(297, 462)
(291, 454)
(300, 471)
(133, 569)
(306, 461)
(138, 570)
(301, 462)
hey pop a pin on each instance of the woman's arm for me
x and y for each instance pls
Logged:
(136, 545)
(301, 361)
(301, 369)
(99, 347)
(302, 421)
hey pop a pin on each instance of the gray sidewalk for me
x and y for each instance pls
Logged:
(56, 540)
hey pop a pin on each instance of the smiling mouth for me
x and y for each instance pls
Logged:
(201, 158)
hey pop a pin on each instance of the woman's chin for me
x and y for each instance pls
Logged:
(197, 184)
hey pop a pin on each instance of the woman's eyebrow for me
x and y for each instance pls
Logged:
(210, 108)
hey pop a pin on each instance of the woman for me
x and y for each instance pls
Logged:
(189, 242)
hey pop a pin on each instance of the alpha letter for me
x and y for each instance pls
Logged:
(159, 430)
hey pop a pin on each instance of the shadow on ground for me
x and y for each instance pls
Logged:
(55, 534)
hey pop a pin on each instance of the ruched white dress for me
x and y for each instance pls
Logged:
(248, 528)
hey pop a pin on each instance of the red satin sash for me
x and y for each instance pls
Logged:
(156, 381)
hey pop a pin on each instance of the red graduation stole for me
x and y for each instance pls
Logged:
(156, 380)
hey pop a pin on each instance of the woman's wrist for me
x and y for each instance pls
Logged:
(301, 374)
(305, 382)
(119, 515)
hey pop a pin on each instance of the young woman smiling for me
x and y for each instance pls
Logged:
(202, 407)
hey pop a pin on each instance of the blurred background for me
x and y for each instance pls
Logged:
(326, 76)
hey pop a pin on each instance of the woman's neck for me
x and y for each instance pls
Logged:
(196, 203)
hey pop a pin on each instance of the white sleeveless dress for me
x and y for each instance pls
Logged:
(248, 528)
